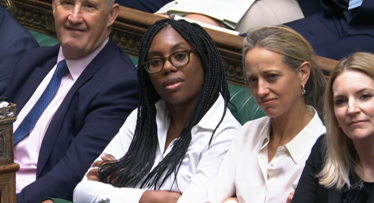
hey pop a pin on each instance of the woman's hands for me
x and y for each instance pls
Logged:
(158, 196)
(231, 200)
(152, 196)
(93, 174)
(290, 196)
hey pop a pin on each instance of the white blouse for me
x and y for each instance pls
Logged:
(247, 172)
(199, 166)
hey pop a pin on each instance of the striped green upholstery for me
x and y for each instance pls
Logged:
(244, 107)
(58, 200)
(44, 40)
(134, 59)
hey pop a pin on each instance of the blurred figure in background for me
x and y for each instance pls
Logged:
(15, 40)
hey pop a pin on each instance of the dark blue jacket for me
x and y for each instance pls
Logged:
(149, 6)
(14, 41)
(89, 117)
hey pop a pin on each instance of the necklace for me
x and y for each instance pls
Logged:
(362, 185)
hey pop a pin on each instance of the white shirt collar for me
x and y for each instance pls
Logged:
(77, 66)
(302, 142)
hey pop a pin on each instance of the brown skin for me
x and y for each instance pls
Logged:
(289, 198)
(93, 174)
(157, 196)
(180, 100)
(231, 199)
(83, 25)
(148, 196)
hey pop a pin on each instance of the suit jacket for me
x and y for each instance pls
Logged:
(14, 41)
(350, 22)
(309, 190)
(149, 6)
(310, 7)
(3, 99)
(91, 114)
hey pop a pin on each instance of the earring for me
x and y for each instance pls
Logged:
(303, 89)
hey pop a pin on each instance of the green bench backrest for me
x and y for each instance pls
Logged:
(244, 106)
(44, 40)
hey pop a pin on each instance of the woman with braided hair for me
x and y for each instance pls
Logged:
(170, 148)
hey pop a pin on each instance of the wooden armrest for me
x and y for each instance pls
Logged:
(326, 64)
(6, 168)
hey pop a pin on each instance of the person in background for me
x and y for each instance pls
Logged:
(342, 28)
(149, 6)
(171, 147)
(71, 99)
(240, 15)
(341, 165)
(268, 155)
(15, 40)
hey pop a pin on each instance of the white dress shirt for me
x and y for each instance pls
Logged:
(354, 4)
(26, 152)
(199, 166)
(247, 172)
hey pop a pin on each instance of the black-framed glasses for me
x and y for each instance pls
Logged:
(177, 59)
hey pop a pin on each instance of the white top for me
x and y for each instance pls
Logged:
(247, 173)
(199, 167)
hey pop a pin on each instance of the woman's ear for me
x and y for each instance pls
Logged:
(304, 72)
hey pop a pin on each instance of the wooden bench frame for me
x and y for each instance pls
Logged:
(7, 166)
(127, 33)
(131, 25)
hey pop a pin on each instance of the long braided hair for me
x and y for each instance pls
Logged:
(136, 165)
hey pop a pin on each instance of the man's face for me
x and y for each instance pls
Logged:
(83, 25)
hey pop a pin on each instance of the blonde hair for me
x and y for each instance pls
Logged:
(341, 157)
(295, 51)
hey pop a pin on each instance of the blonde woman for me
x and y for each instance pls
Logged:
(268, 155)
(341, 165)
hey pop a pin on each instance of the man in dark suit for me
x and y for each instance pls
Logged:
(14, 41)
(71, 100)
(344, 27)
(310, 7)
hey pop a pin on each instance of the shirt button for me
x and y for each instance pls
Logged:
(194, 131)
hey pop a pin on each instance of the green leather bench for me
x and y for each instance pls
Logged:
(243, 107)
(44, 40)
